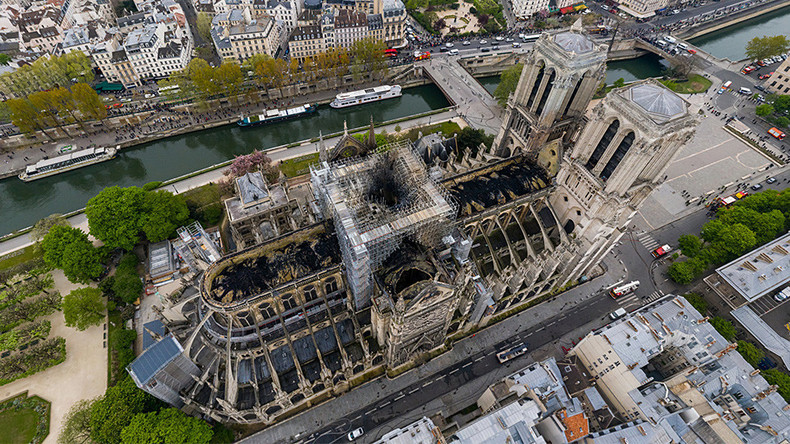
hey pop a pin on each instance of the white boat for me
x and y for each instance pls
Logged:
(67, 162)
(369, 95)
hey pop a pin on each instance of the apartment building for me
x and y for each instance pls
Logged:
(524, 9)
(779, 82)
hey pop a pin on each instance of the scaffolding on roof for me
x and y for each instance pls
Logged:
(376, 202)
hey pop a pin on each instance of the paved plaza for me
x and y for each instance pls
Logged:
(83, 375)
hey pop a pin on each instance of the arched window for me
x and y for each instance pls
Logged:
(330, 286)
(310, 294)
(618, 155)
(266, 311)
(535, 87)
(573, 96)
(288, 301)
(606, 139)
(546, 92)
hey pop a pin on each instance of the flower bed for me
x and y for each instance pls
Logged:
(24, 420)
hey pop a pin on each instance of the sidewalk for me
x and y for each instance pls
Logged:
(276, 154)
(343, 407)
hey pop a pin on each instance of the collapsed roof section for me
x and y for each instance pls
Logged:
(376, 202)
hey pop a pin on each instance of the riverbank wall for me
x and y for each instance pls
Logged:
(729, 20)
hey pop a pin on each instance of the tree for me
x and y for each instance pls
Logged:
(25, 116)
(779, 379)
(619, 83)
(127, 287)
(5, 59)
(763, 47)
(111, 413)
(737, 239)
(682, 272)
(750, 353)
(163, 212)
(724, 327)
(76, 427)
(47, 105)
(70, 250)
(508, 83)
(42, 227)
(83, 308)
(764, 110)
(114, 216)
(690, 245)
(697, 302)
(88, 102)
(204, 25)
(169, 426)
(780, 103)
(229, 78)
(782, 122)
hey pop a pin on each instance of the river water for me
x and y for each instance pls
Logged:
(23, 203)
(730, 42)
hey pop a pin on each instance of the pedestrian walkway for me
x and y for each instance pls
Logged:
(629, 301)
(654, 296)
(647, 241)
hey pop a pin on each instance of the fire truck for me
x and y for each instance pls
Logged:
(624, 289)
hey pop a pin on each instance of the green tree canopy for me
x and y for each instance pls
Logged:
(779, 379)
(204, 25)
(42, 227)
(724, 327)
(508, 83)
(87, 101)
(127, 287)
(780, 103)
(169, 426)
(115, 410)
(750, 353)
(163, 212)
(619, 83)
(5, 59)
(83, 307)
(764, 110)
(763, 47)
(697, 301)
(77, 424)
(70, 250)
(690, 244)
(114, 216)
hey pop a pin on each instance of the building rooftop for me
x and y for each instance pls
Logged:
(660, 103)
(495, 185)
(154, 359)
(513, 423)
(574, 42)
(251, 272)
(761, 270)
(422, 431)
(160, 259)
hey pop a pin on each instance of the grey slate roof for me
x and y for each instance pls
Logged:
(574, 42)
(154, 359)
(658, 101)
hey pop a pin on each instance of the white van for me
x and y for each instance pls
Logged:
(670, 39)
(453, 52)
(661, 43)
(746, 91)
(617, 314)
(683, 46)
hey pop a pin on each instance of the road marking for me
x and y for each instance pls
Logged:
(480, 358)
(541, 328)
(453, 371)
(370, 411)
(357, 417)
(466, 365)
(384, 405)
(415, 390)
(552, 323)
(427, 384)
(399, 397)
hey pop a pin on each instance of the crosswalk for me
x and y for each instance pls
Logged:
(632, 300)
(647, 240)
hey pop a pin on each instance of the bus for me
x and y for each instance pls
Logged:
(421, 55)
(724, 87)
(391, 53)
(512, 352)
(777, 133)
(624, 289)
(529, 37)
(729, 200)
(172, 89)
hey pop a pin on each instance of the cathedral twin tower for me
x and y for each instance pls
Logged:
(604, 163)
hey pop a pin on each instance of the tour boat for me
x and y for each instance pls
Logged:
(67, 162)
(276, 115)
(369, 95)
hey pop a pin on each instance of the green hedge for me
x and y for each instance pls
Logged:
(11, 340)
(33, 360)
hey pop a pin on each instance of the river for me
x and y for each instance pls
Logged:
(730, 42)
(23, 203)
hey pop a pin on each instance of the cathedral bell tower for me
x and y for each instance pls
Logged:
(560, 76)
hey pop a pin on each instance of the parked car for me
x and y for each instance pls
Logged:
(483, 42)
(759, 87)
(354, 434)
(466, 43)
(756, 186)
(449, 45)
(617, 314)
(765, 76)
(770, 180)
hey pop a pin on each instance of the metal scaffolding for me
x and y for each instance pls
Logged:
(376, 202)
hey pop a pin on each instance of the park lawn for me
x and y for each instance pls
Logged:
(28, 253)
(202, 196)
(695, 84)
(298, 165)
(446, 128)
(18, 426)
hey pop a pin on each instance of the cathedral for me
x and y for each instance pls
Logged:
(397, 247)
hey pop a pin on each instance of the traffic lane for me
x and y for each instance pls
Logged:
(476, 366)
(637, 260)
